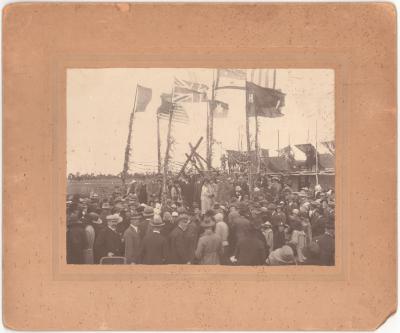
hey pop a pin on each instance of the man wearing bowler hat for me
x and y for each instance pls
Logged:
(154, 248)
(132, 239)
(108, 243)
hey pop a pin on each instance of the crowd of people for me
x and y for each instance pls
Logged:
(214, 220)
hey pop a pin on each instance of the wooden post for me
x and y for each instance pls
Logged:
(158, 144)
(166, 158)
(191, 155)
(211, 128)
(250, 180)
(125, 169)
(208, 135)
(257, 148)
(278, 145)
(316, 152)
(274, 82)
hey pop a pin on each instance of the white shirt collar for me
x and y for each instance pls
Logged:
(134, 227)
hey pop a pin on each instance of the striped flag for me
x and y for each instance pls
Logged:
(189, 92)
(179, 114)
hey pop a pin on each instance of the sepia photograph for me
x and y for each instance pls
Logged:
(200, 166)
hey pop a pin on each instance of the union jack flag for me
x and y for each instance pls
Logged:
(189, 92)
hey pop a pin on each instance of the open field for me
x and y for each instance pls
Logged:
(100, 186)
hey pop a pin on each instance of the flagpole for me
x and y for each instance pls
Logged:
(278, 144)
(257, 148)
(316, 151)
(166, 158)
(128, 142)
(158, 144)
(209, 160)
(248, 145)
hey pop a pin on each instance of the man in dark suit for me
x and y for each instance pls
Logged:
(132, 239)
(154, 248)
(108, 243)
(178, 251)
(326, 243)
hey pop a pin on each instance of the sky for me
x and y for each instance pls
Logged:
(100, 101)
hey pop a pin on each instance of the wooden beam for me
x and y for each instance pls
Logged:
(189, 157)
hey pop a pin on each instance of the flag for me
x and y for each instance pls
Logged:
(179, 114)
(220, 109)
(189, 92)
(231, 79)
(264, 153)
(309, 150)
(286, 152)
(306, 148)
(143, 98)
(266, 102)
(330, 145)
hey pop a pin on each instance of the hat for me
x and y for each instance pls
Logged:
(238, 188)
(207, 222)
(271, 206)
(174, 214)
(157, 221)
(256, 189)
(181, 210)
(218, 217)
(167, 216)
(266, 225)
(148, 212)
(93, 216)
(114, 217)
(106, 205)
(135, 216)
(183, 218)
(275, 178)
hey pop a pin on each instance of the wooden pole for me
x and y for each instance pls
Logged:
(128, 142)
(274, 82)
(191, 155)
(278, 144)
(257, 148)
(248, 145)
(158, 144)
(316, 152)
(208, 136)
(166, 158)
(209, 166)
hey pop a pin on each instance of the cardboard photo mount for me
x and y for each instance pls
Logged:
(41, 41)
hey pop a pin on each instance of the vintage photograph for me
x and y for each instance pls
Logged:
(200, 166)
